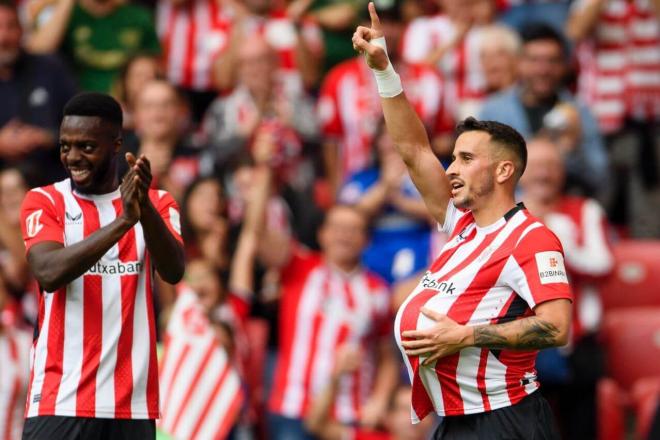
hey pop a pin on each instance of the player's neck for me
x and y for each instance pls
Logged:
(493, 209)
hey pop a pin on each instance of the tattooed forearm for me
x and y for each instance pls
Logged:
(526, 334)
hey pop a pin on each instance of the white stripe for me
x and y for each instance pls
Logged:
(611, 59)
(644, 79)
(645, 29)
(468, 366)
(610, 85)
(218, 411)
(110, 322)
(202, 57)
(73, 323)
(309, 302)
(177, 55)
(344, 400)
(40, 354)
(498, 396)
(163, 12)
(605, 107)
(647, 56)
(611, 33)
(141, 340)
(41, 191)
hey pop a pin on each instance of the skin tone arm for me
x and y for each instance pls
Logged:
(549, 327)
(165, 250)
(55, 265)
(406, 129)
(581, 21)
(374, 409)
(330, 151)
(48, 37)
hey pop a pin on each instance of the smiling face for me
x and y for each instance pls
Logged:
(542, 67)
(471, 173)
(88, 147)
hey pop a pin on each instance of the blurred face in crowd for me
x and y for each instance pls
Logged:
(12, 191)
(88, 149)
(457, 10)
(256, 65)
(140, 71)
(157, 111)
(543, 180)
(483, 11)
(541, 68)
(343, 236)
(202, 277)
(472, 172)
(259, 7)
(398, 418)
(499, 58)
(10, 36)
(205, 206)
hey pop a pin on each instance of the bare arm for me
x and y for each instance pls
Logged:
(386, 381)
(406, 129)
(330, 151)
(549, 327)
(48, 37)
(581, 21)
(307, 62)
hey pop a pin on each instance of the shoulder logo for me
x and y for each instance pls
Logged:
(73, 218)
(550, 265)
(33, 223)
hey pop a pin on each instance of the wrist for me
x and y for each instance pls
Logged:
(125, 222)
(468, 336)
(387, 80)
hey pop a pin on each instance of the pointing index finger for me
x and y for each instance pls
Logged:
(375, 21)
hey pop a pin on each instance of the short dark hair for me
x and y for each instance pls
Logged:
(501, 134)
(9, 4)
(95, 104)
(536, 31)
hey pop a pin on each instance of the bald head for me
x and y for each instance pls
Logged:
(544, 178)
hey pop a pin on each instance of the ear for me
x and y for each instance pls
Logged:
(504, 171)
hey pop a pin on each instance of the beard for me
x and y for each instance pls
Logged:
(482, 189)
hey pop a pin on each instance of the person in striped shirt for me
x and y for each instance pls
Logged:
(92, 244)
(497, 292)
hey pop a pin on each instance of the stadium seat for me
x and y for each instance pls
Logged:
(645, 398)
(635, 280)
(610, 410)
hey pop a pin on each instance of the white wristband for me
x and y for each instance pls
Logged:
(388, 81)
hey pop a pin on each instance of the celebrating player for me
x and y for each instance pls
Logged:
(91, 244)
(497, 292)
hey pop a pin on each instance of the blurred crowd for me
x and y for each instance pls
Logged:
(303, 231)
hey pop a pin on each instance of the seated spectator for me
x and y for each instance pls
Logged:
(450, 42)
(15, 344)
(297, 43)
(193, 34)
(349, 106)
(539, 102)
(33, 91)
(499, 52)
(259, 106)
(618, 52)
(329, 299)
(161, 130)
(395, 426)
(400, 235)
(579, 223)
(98, 36)
(138, 71)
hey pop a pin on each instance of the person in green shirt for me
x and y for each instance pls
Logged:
(97, 36)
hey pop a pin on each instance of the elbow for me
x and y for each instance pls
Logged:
(48, 280)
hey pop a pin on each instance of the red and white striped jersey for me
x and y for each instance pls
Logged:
(483, 275)
(460, 66)
(322, 308)
(15, 354)
(620, 63)
(202, 394)
(95, 354)
(192, 34)
(349, 107)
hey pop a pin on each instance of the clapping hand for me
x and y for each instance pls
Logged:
(135, 186)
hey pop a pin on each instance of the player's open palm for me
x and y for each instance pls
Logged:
(370, 41)
(130, 196)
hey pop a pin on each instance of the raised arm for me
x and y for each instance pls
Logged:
(403, 124)
(48, 37)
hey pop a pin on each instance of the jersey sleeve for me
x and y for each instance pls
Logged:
(169, 212)
(536, 269)
(39, 220)
(452, 216)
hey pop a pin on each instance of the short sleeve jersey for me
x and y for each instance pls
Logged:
(95, 350)
(483, 275)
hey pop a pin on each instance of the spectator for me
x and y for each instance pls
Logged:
(15, 346)
(400, 237)
(500, 49)
(193, 34)
(13, 266)
(397, 424)
(137, 71)
(260, 106)
(539, 101)
(161, 130)
(98, 36)
(329, 299)
(33, 90)
(450, 41)
(579, 223)
(349, 106)
(618, 50)
(298, 45)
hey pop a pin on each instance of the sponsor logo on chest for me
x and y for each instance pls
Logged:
(115, 268)
(439, 286)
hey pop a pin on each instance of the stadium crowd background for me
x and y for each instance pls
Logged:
(215, 90)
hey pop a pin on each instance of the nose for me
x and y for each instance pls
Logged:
(72, 156)
(452, 170)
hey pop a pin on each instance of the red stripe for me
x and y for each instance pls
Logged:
(194, 383)
(190, 46)
(16, 389)
(228, 420)
(213, 398)
(481, 378)
(55, 354)
(152, 378)
(175, 375)
(316, 329)
(40, 322)
(129, 284)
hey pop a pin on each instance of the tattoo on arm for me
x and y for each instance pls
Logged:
(531, 334)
